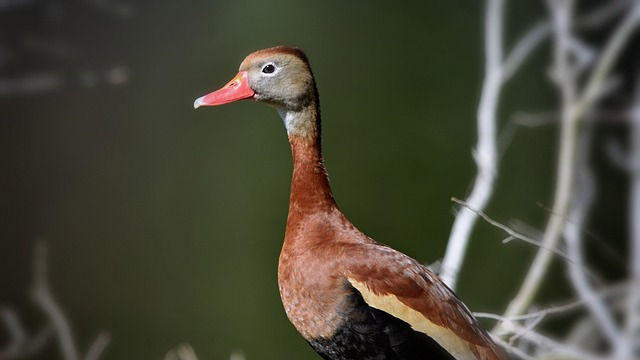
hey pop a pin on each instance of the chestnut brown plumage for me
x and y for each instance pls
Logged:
(349, 296)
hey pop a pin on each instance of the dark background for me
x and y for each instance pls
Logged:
(164, 224)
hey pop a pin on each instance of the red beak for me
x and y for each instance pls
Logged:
(236, 89)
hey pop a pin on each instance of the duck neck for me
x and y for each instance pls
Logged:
(310, 188)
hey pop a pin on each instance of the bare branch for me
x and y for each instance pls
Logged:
(497, 72)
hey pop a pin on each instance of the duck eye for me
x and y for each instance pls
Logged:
(269, 69)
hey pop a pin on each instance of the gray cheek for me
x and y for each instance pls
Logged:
(256, 83)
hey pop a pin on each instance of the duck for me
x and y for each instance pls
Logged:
(350, 297)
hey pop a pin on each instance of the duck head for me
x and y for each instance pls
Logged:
(279, 76)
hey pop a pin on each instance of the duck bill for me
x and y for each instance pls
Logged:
(236, 89)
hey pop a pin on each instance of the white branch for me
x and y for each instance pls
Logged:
(98, 346)
(485, 153)
(523, 49)
(584, 193)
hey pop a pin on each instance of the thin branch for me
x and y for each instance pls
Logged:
(17, 334)
(561, 14)
(610, 54)
(42, 296)
(540, 31)
(512, 349)
(21, 345)
(523, 49)
(617, 290)
(529, 327)
(535, 120)
(601, 15)
(485, 153)
(98, 346)
(584, 194)
(516, 235)
(545, 345)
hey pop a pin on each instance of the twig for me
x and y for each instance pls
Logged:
(602, 14)
(516, 235)
(42, 297)
(17, 334)
(514, 350)
(20, 344)
(545, 345)
(98, 346)
(617, 290)
(534, 120)
(60, 326)
(555, 347)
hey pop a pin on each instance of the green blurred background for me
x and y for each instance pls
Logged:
(164, 224)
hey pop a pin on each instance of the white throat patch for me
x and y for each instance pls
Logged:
(299, 123)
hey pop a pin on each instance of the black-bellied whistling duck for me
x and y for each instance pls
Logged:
(349, 296)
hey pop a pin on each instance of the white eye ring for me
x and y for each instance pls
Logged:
(269, 69)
